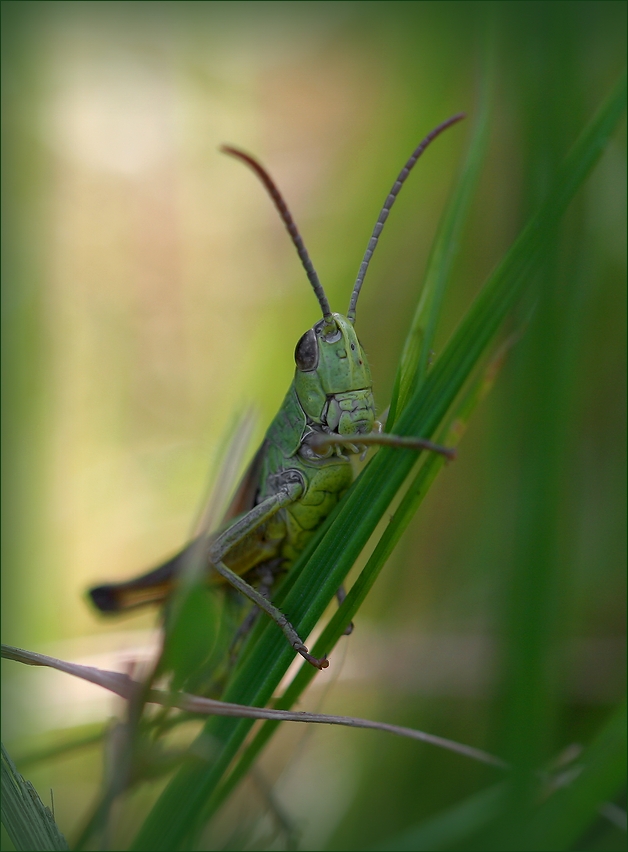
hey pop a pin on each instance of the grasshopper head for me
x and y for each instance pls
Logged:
(333, 379)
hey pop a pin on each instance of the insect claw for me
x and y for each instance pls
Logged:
(323, 663)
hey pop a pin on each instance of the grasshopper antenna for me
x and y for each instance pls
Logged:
(288, 221)
(403, 174)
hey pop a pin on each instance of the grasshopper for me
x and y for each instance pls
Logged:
(302, 469)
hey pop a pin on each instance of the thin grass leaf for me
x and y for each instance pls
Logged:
(560, 821)
(29, 823)
(417, 348)
(557, 823)
(450, 827)
(75, 742)
(228, 463)
(182, 806)
(129, 689)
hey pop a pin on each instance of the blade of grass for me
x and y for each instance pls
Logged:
(561, 818)
(452, 826)
(28, 822)
(418, 345)
(184, 800)
(68, 746)
(127, 688)
(560, 821)
(539, 587)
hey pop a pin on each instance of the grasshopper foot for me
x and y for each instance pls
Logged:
(323, 663)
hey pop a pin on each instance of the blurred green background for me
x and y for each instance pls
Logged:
(151, 294)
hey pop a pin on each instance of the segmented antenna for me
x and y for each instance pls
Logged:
(288, 221)
(403, 174)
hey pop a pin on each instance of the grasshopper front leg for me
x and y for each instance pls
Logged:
(321, 441)
(288, 493)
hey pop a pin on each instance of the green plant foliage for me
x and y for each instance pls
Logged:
(28, 822)
(260, 673)
(600, 773)
(151, 298)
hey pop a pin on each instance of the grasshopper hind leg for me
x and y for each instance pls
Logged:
(149, 588)
(277, 616)
(288, 492)
(267, 574)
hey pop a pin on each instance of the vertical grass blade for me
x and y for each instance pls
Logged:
(559, 822)
(419, 341)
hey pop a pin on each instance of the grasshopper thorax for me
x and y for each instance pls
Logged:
(332, 378)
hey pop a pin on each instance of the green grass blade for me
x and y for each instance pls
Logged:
(185, 799)
(452, 826)
(560, 821)
(28, 822)
(77, 740)
(556, 824)
(419, 341)
(509, 280)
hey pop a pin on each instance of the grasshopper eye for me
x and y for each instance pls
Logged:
(306, 353)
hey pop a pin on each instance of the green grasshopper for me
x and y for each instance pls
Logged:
(302, 469)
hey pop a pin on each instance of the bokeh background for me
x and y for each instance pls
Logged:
(151, 297)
